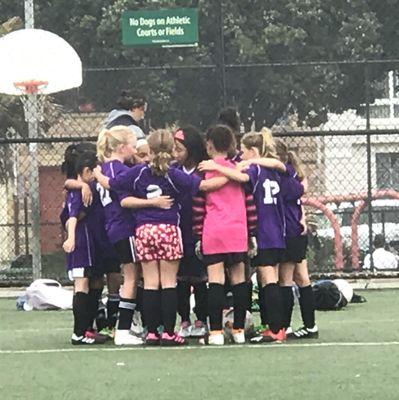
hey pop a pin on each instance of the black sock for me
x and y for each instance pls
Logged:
(152, 309)
(307, 305)
(183, 300)
(216, 299)
(139, 307)
(249, 301)
(274, 306)
(101, 317)
(169, 309)
(94, 296)
(287, 298)
(112, 309)
(126, 310)
(240, 298)
(201, 301)
(262, 308)
(81, 313)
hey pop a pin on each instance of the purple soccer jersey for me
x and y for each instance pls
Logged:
(186, 216)
(96, 222)
(119, 221)
(83, 255)
(139, 181)
(292, 191)
(266, 189)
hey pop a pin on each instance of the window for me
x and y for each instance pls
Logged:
(387, 170)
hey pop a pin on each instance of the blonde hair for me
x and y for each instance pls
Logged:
(263, 141)
(161, 145)
(288, 156)
(109, 140)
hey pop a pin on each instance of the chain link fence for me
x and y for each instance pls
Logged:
(342, 118)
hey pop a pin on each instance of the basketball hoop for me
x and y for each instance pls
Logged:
(32, 98)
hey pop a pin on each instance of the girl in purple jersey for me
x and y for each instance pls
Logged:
(105, 260)
(265, 183)
(79, 247)
(115, 147)
(293, 267)
(158, 239)
(189, 151)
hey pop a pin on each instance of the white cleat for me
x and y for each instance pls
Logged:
(216, 339)
(125, 338)
(185, 330)
(239, 336)
(198, 330)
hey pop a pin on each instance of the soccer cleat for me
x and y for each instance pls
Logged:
(216, 338)
(260, 328)
(199, 329)
(172, 340)
(123, 337)
(238, 336)
(137, 327)
(269, 337)
(152, 339)
(288, 331)
(98, 337)
(304, 333)
(109, 333)
(185, 329)
(87, 339)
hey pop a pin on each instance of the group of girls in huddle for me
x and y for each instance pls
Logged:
(187, 215)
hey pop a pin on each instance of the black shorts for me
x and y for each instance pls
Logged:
(228, 259)
(296, 249)
(268, 257)
(126, 250)
(191, 267)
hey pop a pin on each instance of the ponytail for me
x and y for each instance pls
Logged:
(294, 160)
(268, 145)
(161, 145)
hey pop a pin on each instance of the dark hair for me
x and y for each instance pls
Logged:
(378, 241)
(229, 116)
(72, 152)
(222, 138)
(128, 101)
(194, 143)
(87, 159)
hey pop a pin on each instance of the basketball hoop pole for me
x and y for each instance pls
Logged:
(32, 118)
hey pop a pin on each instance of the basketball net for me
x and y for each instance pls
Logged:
(32, 99)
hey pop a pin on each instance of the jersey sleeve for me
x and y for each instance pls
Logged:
(124, 181)
(184, 183)
(74, 204)
(253, 173)
(291, 188)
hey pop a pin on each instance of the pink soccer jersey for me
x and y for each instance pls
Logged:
(225, 224)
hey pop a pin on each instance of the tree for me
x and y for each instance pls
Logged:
(267, 31)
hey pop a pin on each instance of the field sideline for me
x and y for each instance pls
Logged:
(357, 357)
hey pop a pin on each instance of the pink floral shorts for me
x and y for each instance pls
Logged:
(158, 242)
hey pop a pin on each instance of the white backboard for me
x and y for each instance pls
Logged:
(38, 55)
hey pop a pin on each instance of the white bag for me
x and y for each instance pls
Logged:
(47, 294)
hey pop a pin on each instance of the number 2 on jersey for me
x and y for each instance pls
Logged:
(272, 188)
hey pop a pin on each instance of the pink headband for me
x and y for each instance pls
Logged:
(180, 135)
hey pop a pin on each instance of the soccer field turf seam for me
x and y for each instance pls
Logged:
(201, 348)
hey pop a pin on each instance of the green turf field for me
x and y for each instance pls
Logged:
(357, 357)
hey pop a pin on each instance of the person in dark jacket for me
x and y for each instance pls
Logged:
(131, 110)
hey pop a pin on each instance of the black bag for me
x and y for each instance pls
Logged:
(327, 296)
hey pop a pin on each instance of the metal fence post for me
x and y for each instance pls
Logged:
(32, 117)
(221, 58)
(369, 176)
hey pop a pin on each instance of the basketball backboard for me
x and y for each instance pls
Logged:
(35, 55)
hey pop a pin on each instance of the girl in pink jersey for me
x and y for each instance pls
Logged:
(224, 240)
